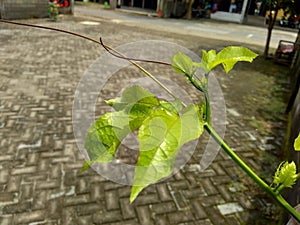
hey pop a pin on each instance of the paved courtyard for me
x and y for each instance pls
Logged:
(40, 179)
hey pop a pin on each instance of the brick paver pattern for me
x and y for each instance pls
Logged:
(40, 179)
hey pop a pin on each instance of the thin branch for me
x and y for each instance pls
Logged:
(132, 59)
(50, 28)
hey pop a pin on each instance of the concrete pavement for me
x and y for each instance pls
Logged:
(40, 179)
(254, 32)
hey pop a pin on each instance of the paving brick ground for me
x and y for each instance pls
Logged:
(40, 179)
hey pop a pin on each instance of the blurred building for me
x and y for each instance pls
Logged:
(231, 10)
(228, 10)
(21, 9)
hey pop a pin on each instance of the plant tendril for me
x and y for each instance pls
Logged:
(132, 59)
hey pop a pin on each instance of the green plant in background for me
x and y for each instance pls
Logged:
(53, 11)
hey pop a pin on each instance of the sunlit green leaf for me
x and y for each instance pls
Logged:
(133, 95)
(161, 136)
(174, 106)
(201, 65)
(208, 57)
(229, 56)
(297, 143)
(182, 64)
(105, 135)
(163, 129)
(192, 123)
(286, 174)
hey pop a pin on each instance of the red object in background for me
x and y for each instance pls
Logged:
(286, 47)
(285, 52)
(61, 3)
(160, 14)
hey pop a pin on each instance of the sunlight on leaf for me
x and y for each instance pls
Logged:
(105, 135)
(174, 106)
(209, 56)
(164, 127)
(161, 136)
(133, 95)
(182, 64)
(207, 59)
(229, 56)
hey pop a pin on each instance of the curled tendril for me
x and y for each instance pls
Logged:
(109, 50)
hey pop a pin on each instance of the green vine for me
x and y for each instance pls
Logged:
(160, 132)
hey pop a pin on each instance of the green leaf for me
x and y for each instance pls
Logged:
(297, 143)
(133, 95)
(174, 106)
(207, 59)
(161, 136)
(105, 135)
(85, 166)
(138, 113)
(192, 123)
(229, 56)
(182, 64)
(286, 174)
(163, 129)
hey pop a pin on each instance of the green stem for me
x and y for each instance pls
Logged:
(276, 196)
(206, 95)
(279, 189)
(204, 89)
(207, 108)
(207, 102)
